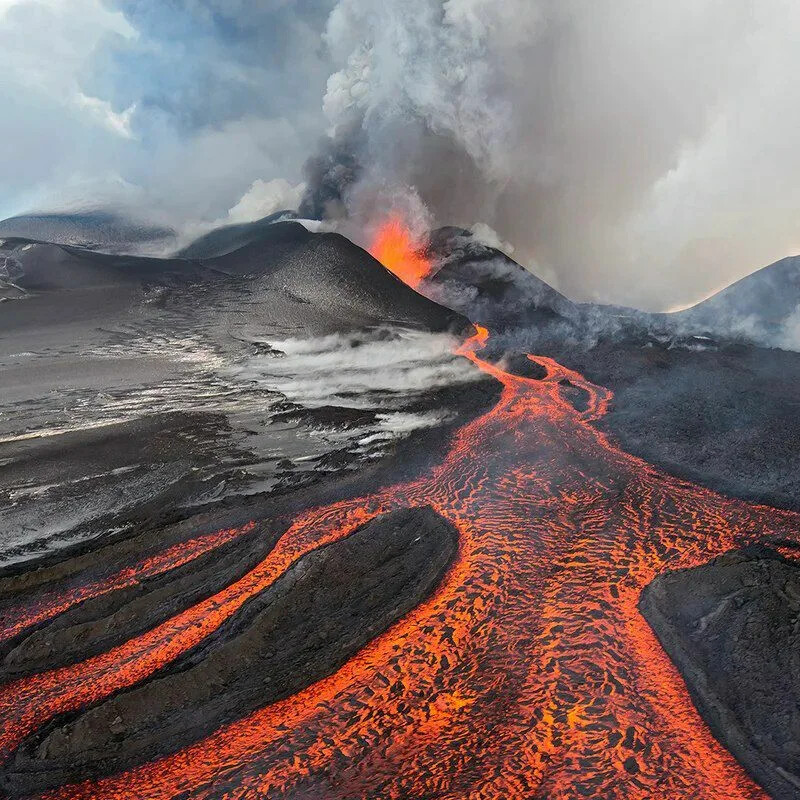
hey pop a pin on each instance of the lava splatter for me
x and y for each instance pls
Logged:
(395, 247)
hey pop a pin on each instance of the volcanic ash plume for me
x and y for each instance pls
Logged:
(608, 142)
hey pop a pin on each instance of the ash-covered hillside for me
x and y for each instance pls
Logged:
(135, 390)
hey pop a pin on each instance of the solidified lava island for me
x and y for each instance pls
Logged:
(287, 519)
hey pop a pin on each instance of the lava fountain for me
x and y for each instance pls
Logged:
(397, 249)
(528, 673)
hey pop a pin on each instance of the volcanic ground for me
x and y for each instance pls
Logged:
(281, 518)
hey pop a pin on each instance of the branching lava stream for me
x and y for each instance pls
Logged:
(529, 673)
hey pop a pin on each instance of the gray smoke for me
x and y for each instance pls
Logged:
(635, 153)
(632, 152)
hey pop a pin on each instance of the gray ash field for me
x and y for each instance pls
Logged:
(138, 387)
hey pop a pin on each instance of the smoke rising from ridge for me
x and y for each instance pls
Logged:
(636, 153)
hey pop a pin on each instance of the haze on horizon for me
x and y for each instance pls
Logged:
(633, 153)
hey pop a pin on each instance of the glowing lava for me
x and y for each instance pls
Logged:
(529, 672)
(16, 619)
(398, 251)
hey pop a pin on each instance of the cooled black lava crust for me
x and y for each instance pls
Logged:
(308, 623)
(730, 626)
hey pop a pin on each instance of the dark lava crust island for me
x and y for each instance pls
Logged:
(731, 627)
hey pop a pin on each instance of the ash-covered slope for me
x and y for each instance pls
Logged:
(487, 286)
(329, 272)
(763, 307)
(224, 240)
(319, 283)
(97, 230)
(43, 267)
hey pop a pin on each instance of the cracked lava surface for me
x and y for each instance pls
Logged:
(528, 673)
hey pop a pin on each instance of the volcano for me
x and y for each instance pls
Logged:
(281, 526)
(339, 286)
(486, 284)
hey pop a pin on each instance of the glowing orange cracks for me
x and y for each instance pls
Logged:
(397, 249)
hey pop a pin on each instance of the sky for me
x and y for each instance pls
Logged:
(175, 106)
(628, 152)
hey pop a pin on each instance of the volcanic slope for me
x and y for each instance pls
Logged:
(717, 410)
(337, 282)
(487, 286)
(97, 230)
(136, 389)
(319, 283)
(759, 305)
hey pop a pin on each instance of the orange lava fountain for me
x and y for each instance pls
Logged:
(528, 673)
(397, 250)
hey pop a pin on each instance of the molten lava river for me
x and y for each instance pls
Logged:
(528, 673)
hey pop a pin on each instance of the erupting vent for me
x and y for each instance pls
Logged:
(398, 251)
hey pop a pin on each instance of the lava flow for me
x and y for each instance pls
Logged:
(16, 619)
(528, 673)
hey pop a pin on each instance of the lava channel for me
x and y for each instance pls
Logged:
(528, 673)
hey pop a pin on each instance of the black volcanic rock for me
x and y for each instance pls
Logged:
(723, 417)
(730, 626)
(103, 622)
(328, 605)
(328, 417)
(46, 267)
(224, 240)
(487, 286)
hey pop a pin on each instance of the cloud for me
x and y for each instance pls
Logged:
(266, 197)
(341, 370)
(640, 153)
(482, 233)
(101, 110)
(173, 108)
(51, 138)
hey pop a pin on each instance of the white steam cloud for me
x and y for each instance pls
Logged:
(341, 370)
(643, 152)
(632, 152)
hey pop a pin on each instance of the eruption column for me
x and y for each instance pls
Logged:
(394, 246)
